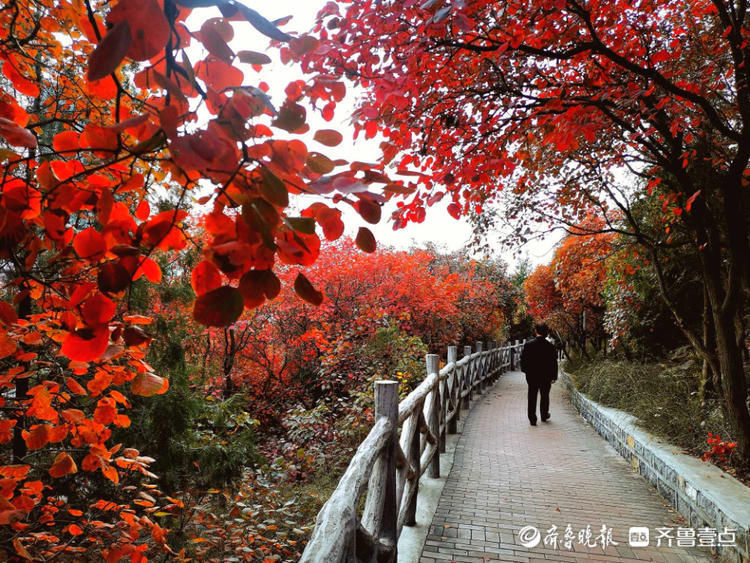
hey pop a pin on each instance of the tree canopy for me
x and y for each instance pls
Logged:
(571, 107)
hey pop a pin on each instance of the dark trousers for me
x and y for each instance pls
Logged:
(543, 390)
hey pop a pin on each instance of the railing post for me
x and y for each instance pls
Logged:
(481, 373)
(442, 386)
(469, 379)
(413, 457)
(455, 396)
(386, 404)
(495, 364)
(433, 364)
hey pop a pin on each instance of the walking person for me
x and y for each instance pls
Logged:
(539, 363)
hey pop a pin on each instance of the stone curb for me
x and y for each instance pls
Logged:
(704, 494)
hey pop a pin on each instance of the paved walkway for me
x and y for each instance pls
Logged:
(508, 474)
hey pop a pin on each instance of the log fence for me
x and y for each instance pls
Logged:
(405, 442)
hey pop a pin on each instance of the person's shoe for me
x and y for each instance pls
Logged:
(532, 422)
(545, 418)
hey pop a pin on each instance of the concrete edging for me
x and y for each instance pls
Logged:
(704, 494)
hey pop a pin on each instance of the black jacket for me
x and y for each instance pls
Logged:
(539, 361)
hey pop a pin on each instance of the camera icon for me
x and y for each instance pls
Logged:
(638, 536)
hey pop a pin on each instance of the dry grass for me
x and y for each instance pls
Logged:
(663, 396)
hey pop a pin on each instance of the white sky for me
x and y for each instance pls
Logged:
(439, 227)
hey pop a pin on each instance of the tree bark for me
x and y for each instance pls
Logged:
(710, 385)
(19, 449)
(725, 297)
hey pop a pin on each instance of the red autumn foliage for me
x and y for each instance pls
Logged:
(97, 113)
(573, 283)
(569, 107)
(442, 301)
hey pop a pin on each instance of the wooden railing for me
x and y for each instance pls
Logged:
(389, 463)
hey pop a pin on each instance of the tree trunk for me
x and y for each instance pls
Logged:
(710, 385)
(22, 389)
(230, 350)
(727, 307)
(734, 383)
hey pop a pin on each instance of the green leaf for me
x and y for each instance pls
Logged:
(291, 117)
(320, 163)
(253, 58)
(262, 218)
(273, 188)
(7, 154)
(304, 225)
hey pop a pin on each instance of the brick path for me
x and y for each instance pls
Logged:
(508, 474)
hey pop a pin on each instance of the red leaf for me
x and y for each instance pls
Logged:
(149, 28)
(163, 231)
(215, 44)
(20, 82)
(258, 285)
(113, 277)
(66, 141)
(306, 291)
(150, 269)
(21, 550)
(37, 437)
(205, 277)
(135, 336)
(16, 135)
(691, 199)
(297, 248)
(253, 58)
(328, 137)
(98, 310)
(454, 210)
(329, 219)
(75, 387)
(291, 117)
(7, 345)
(143, 211)
(85, 345)
(74, 529)
(90, 244)
(320, 163)
(109, 52)
(369, 210)
(147, 384)
(366, 240)
(371, 129)
(273, 188)
(63, 465)
(8, 314)
(219, 307)
(219, 75)
(10, 516)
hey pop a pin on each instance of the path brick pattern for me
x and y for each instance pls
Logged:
(508, 474)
